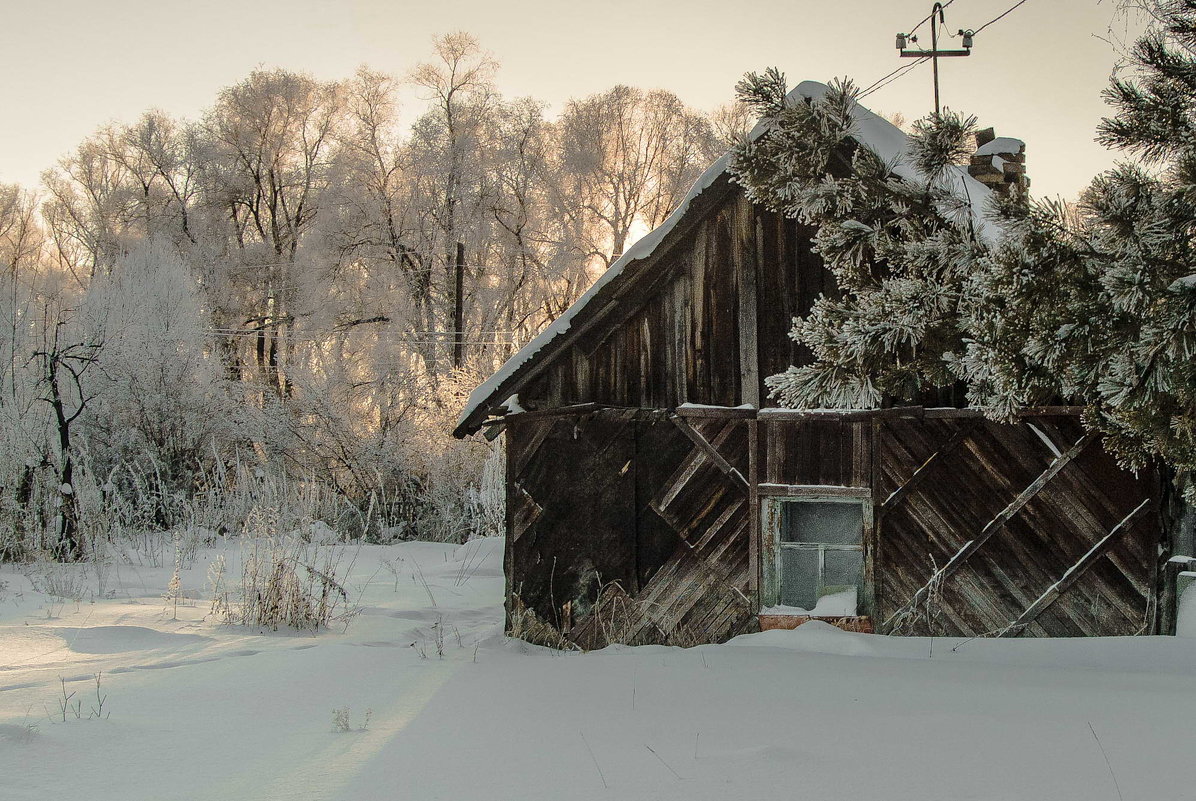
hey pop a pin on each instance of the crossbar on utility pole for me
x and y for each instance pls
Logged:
(934, 53)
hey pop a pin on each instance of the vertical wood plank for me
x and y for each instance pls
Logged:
(749, 246)
(754, 511)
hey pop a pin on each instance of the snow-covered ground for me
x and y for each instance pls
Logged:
(196, 709)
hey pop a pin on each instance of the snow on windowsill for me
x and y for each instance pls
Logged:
(1185, 613)
(838, 604)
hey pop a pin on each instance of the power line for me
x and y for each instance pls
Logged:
(927, 17)
(910, 68)
(938, 20)
(478, 338)
(392, 342)
(877, 82)
(1000, 16)
(338, 331)
(384, 260)
(892, 76)
(881, 82)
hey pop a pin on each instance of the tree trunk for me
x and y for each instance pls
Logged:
(459, 309)
(67, 546)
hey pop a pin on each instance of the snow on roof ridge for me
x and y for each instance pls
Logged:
(871, 129)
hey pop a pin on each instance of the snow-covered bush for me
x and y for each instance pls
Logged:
(286, 582)
(487, 503)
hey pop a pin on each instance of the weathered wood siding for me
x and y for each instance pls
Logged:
(642, 526)
(942, 481)
(708, 323)
(622, 527)
(834, 450)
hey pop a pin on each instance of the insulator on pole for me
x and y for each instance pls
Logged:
(901, 41)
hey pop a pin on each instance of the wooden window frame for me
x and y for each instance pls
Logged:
(772, 499)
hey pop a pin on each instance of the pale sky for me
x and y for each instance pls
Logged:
(77, 64)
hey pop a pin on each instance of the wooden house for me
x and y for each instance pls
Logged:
(653, 495)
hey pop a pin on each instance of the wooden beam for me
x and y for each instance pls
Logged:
(812, 491)
(560, 411)
(798, 415)
(1051, 411)
(754, 549)
(749, 247)
(712, 453)
(1073, 573)
(716, 412)
(523, 514)
(995, 525)
(843, 415)
(919, 475)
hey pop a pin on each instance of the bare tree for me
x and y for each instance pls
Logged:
(731, 123)
(278, 276)
(628, 156)
(63, 364)
(459, 84)
(269, 144)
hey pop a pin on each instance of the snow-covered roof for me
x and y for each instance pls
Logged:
(871, 130)
(892, 145)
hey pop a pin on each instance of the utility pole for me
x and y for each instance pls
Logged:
(459, 309)
(936, 18)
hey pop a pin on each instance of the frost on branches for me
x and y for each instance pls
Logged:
(1098, 302)
(901, 248)
(1092, 303)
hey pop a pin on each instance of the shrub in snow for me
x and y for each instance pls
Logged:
(286, 582)
(487, 503)
(341, 724)
(67, 582)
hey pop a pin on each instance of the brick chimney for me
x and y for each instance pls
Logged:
(999, 162)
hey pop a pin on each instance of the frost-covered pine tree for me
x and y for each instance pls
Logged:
(901, 248)
(1097, 303)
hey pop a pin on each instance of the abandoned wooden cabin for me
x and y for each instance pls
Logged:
(653, 497)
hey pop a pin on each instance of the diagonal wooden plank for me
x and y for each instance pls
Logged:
(1073, 573)
(927, 466)
(524, 513)
(971, 546)
(710, 451)
(528, 436)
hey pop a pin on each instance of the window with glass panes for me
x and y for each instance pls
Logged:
(819, 554)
